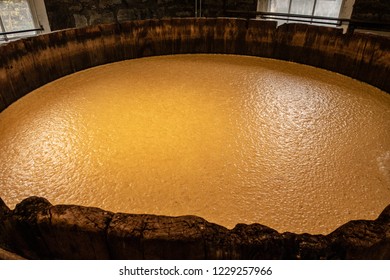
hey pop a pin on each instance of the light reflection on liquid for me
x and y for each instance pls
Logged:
(232, 139)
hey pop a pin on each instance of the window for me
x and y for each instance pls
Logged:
(16, 15)
(326, 8)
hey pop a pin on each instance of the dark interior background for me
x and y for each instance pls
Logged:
(71, 13)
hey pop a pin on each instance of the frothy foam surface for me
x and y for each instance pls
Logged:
(232, 139)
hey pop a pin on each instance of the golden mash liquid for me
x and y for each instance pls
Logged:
(233, 139)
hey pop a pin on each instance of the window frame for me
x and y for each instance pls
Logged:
(268, 3)
(4, 38)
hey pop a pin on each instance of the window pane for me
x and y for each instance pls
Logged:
(279, 6)
(328, 8)
(16, 15)
(302, 7)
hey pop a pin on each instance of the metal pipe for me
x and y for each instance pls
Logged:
(362, 23)
(22, 31)
(198, 13)
(303, 20)
(314, 8)
(288, 15)
(289, 8)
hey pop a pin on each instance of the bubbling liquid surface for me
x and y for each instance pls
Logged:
(232, 139)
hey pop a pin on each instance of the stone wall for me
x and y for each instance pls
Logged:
(35, 229)
(69, 14)
(372, 11)
(32, 62)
